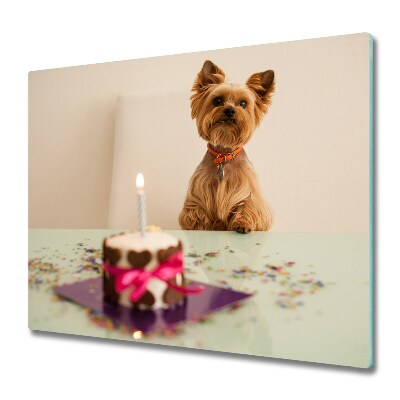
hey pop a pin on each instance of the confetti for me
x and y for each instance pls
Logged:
(224, 283)
(289, 303)
(100, 320)
(193, 255)
(56, 268)
(212, 254)
(291, 286)
(289, 263)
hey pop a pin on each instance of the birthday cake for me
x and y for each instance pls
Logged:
(144, 272)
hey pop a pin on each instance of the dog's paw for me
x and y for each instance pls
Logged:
(241, 229)
(194, 219)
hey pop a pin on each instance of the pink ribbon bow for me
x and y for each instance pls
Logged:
(139, 278)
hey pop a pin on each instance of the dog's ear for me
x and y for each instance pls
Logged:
(263, 85)
(209, 74)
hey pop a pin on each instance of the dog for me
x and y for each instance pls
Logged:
(224, 193)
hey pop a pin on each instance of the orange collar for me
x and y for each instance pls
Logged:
(223, 157)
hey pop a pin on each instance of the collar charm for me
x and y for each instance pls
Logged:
(222, 158)
(220, 171)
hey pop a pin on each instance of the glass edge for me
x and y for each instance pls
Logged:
(371, 193)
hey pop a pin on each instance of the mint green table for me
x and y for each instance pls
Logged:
(312, 296)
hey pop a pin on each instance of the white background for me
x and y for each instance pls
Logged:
(43, 34)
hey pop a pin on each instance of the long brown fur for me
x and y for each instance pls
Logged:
(235, 202)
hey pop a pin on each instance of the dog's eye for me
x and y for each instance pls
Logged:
(217, 101)
(243, 104)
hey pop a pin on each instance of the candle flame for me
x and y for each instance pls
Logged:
(139, 181)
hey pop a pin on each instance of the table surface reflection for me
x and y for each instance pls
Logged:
(311, 302)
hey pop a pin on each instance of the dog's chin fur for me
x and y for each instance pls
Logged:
(236, 202)
(227, 135)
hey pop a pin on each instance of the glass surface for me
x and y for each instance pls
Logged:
(311, 302)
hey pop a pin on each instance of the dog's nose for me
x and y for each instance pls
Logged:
(229, 112)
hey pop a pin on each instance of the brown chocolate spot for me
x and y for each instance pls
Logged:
(170, 295)
(109, 293)
(139, 260)
(104, 244)
(163, 255)
(110, 255)
(147, 299)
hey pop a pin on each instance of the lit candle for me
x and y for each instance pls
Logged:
(141, 203)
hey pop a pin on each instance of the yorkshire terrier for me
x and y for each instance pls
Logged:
(224, 193)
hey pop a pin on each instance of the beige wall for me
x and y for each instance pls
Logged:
(311, 151)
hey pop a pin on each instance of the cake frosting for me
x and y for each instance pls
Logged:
(132, 251)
